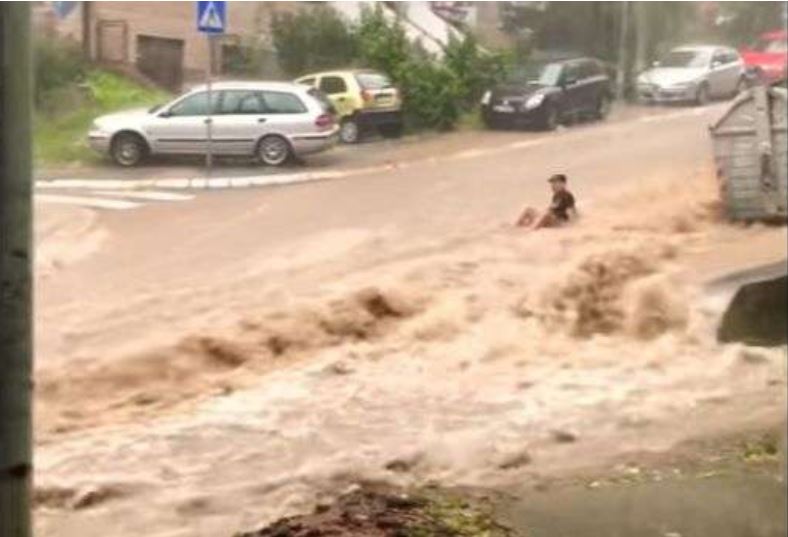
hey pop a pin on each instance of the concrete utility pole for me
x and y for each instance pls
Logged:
(87, 33)
(16, 87)
(621, 78)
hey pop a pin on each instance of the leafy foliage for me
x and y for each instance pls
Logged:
(314, 38)
(436, 91)
(382, 44)
(474, 69)
(57, 64)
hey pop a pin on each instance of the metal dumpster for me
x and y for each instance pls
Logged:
(750, 154)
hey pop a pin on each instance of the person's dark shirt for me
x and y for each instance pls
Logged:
(563, 201)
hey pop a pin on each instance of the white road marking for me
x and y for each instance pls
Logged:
(84, 201)
(152, 195)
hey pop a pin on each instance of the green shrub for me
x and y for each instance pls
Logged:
(312, 39)
(382, 45)
(476, 70)
(436, 91)
(432, 95)
(57, 64)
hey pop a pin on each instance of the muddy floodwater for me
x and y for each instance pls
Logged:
(740, 505)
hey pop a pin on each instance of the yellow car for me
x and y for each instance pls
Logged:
(363, 99)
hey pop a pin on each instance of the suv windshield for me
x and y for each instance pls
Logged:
(373, 81)
(546, 74)
(685, 58)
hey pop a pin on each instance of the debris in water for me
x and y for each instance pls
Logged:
(378, 513)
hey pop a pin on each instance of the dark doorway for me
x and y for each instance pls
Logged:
(161, 60)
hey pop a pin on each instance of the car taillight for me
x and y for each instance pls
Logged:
(324, 121)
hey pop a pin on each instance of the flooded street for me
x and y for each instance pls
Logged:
(494, 358)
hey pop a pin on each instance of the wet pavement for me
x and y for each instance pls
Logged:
(737, 505)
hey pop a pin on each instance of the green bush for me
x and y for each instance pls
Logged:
(432, 95)
(436, 91)
(57, 64)
(382, 45)
(475, 69)
(312, 39)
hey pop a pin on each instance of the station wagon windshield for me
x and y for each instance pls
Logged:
(685, 58)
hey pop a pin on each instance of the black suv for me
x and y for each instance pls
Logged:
(547, 94)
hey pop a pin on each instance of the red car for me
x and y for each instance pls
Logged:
(766, 59)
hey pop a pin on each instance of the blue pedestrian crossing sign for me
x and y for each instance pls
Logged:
(211, 16)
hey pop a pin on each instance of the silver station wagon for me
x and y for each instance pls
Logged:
(272, 121)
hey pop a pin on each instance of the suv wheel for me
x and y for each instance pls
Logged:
(602, 107)
(550, 121)
(273, 150)
(128, 149)
(349, 131)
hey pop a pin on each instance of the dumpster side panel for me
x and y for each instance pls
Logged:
(737, 155)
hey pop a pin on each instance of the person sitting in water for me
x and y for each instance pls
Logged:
(561, 209)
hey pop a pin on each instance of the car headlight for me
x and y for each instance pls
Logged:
(486, 98)
(534, 101)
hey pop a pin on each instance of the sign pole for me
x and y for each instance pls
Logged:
(209, 120)
(211, 20)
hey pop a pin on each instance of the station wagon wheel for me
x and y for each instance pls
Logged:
(128, 149)
(273, 150)
(349, 131)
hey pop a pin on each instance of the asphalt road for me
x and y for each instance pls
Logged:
(171, 262)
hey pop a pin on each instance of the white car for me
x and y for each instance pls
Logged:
(273, 121)
(693, 74)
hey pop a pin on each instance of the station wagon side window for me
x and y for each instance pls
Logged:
(331, 85)
(194, 105)
(241, 102)
(280, 102)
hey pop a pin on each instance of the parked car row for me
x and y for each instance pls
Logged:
(273, 121)
(278, 121)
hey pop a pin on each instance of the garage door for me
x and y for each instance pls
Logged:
(161, 60)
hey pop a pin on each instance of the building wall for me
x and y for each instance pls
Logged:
(120, 24)
(488, 25)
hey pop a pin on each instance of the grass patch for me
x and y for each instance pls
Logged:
(471, 121)
(63, 120)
